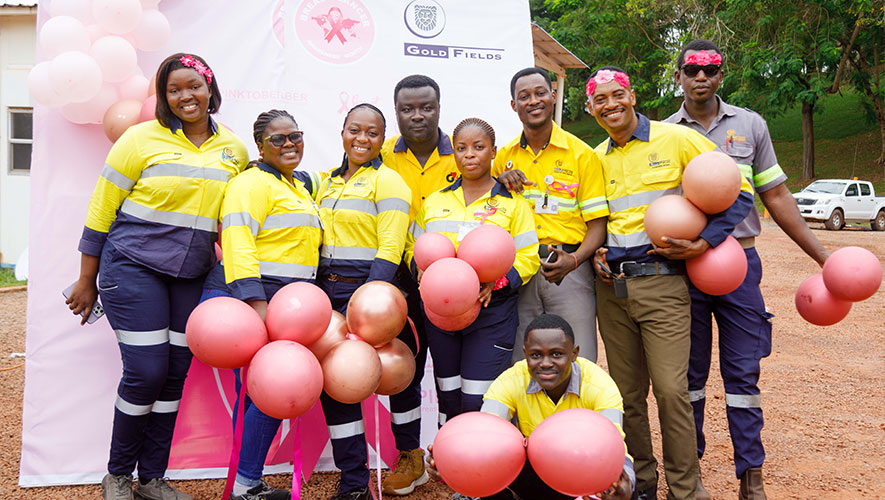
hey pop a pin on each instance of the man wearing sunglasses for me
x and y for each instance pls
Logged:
(743, 321)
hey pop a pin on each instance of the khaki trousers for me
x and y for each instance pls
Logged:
(647, 336)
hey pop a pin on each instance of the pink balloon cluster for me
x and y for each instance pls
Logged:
(450, 283)
(850, 274)
(303, 346)
(90, 72)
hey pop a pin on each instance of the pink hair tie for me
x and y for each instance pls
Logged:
(193, 63)
(703, 58)
(604, 76)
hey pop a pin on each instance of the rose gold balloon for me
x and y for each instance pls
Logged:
(120, 116)
(351, 371)
(675, 217)
(454, 323)
(711, 181)
(377, 312)
(335, 333)
(397, 367)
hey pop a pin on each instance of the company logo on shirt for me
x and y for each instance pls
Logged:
(425, 18)
(654, 162)
(335, 31)
(227, 156)
(452, 177)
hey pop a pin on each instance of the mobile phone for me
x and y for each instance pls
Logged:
(619, 283)
(96, 312)
(551, 258)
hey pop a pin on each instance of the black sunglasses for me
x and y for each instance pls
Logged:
(280, 139)
(691, 70)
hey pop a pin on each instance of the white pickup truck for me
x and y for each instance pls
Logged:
(837, 201)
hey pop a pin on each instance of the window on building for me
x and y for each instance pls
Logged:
(21, 125)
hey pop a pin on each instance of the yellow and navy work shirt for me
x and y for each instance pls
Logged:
(158, 197)
(567, 174)
(445, 212)
(438, 172)
(649, 166)
(516, 393)
(365, 220)
(742, 134)
(270, 234)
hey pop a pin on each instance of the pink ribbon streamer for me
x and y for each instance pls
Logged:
(415, 333)
(238, 438)
(484, 215)
(296, 459)
(558, 186)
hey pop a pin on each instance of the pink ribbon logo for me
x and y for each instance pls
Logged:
(484, 215)
(558, 186)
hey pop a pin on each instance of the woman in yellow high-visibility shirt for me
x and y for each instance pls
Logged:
(364, 207)
(271, 236)
(150, 233)
(466, 362)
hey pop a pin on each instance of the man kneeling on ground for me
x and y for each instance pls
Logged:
(552, 378)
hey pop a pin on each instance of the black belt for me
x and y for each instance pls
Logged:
(634, 269)
(565, 247)
(337, 278)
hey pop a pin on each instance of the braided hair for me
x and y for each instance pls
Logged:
(264, 120)
(478, 123)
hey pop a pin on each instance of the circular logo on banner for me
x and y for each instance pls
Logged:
(335, 31)
(425, 18)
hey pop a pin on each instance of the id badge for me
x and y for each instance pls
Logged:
(551, 208)
(465, 228)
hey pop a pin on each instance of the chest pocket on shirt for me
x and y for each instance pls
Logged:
(670, 177)
(742, 153)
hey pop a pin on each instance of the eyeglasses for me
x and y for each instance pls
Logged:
(279, 139)
(692, 70)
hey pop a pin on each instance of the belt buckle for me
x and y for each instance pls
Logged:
(621, 265)
(333, 277)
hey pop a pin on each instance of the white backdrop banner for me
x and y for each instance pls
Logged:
(314, 58)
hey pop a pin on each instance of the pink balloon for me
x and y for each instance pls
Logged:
(336, 332)
(577, 452)
(117, 16)
(41, 88)
(284, 379)
(62, 34)
(852, 273)
(479, 454)
(430, 247)
(449, 287)
(225, 332)
(299, 312)
(675, 217)
(148, 108)
(377, 312)
(93, 110)
(152, 31)
(79, 9)
(817, 305)
(397, 367)
(95, 32)
(134, 87)
(351, 371)
(149, 4)
(119, 117)
(116, 58)
(218, 254)
(490, 250)
(75, 76)
(719, 270)
(711, 181)
(454, 323)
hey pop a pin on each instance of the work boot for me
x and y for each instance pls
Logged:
(263, 491)
(116, 487)
(701, 492)
(408, 474)
(751, 485)
(158, 489)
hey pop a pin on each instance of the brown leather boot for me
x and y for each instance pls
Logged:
(751, 485)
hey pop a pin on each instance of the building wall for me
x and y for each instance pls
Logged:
(17, 56)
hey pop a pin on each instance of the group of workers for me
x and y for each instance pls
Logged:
(574, 212)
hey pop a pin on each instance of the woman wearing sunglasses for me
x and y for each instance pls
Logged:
(270, 237)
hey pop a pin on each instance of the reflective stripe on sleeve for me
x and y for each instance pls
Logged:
(442, 419)
(594, 204)
(768, 175)
(616, 416)
(285, 221)
(240, 219)
(393, 204)
(406, 416)
(131, 409)
(525, 239)
(180, 170)
(286, 270)
(639, 199)
(475, 387)
(351, 253)
(627, 240)
(697, 394)
(347, 430)
(746, 170)
(152, 337)
(416, 230)
(496, 408)
(177, 339)
(447, 384)
(743, 400)
(208, 224)
(166, 406)
(116, 178)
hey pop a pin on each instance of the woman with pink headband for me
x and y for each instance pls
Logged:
(149, 236)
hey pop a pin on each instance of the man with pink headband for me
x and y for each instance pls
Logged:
(741, 316)
(645, 319)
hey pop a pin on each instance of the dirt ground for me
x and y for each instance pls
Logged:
(821, 391)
